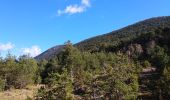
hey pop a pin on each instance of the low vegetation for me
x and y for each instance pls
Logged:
(18, 73)
(27, 93)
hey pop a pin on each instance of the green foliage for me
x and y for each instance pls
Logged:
(9, 70)
(165, 81)
(124, 35)
(91, 76)
(17, 73)
(29, 98)
(2, 84)
(146, 64)
(159, 57)
(48, 67)
(59, 87)
(27, 71)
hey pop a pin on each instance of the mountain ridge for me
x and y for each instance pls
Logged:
(113, 38)
(50, 53)
(134, 30)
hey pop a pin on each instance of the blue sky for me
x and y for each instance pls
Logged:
(32, 26)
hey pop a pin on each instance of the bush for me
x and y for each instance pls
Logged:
(18, 73)
(146, 64)
(2, 84)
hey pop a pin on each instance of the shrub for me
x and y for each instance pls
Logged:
(2, 84)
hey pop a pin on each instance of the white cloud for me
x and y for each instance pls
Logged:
(32, 51)
(73, 9)
(86, 2)
(6, 47)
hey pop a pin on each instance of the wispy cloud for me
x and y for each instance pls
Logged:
(32, 51)
(6, 47)
(85, 2)
(73, 9)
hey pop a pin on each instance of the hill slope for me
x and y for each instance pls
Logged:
(50, 53)
(114, 38)
(145, 43)
(125, 34)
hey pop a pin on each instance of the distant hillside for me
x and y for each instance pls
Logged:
(125, 34)
(114, 39)
(146, 44)
(50, 53)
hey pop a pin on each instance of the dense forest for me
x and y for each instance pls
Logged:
(131, 63)
(124, 35)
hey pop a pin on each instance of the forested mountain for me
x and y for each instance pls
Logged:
(130, 63)
(115, 38)
(50, 53)
(125, 34)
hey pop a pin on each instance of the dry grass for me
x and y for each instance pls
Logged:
(19, 94)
